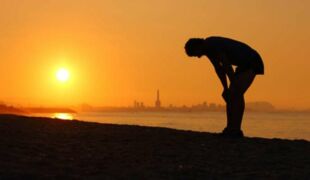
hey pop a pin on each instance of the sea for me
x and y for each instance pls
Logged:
(283, 125)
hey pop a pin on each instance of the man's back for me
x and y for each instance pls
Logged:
(238, 53)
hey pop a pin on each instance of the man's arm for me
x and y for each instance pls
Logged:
(220, 73)
(227, 67)
(222, 68)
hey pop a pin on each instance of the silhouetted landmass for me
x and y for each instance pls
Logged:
(8, 109)
(261, 106)
(43, 148)
(48, 110)
(5, 109)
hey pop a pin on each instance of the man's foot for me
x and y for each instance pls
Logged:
(232, 133)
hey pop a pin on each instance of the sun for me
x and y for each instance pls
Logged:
(62, 75)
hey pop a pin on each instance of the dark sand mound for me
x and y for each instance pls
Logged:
(49, 148)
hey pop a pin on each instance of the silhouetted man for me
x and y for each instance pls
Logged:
(223, 54)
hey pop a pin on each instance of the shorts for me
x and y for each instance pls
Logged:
(254, 63)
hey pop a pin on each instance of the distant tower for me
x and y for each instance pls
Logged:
(157, 102)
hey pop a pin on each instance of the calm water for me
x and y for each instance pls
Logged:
(270, 125)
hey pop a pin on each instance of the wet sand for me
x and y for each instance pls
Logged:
(49, 148)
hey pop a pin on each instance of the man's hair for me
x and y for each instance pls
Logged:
(192, 45)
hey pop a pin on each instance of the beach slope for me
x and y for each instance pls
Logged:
(50, 148)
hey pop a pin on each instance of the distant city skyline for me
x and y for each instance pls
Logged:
(157, 103)
(259, 105)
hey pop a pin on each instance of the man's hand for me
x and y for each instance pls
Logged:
(226, 95)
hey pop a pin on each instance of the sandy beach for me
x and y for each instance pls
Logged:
(50, 148)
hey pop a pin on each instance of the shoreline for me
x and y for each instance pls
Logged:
(38, 147)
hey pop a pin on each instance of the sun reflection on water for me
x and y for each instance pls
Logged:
(63, 116)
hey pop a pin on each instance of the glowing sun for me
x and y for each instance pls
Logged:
(62, 75)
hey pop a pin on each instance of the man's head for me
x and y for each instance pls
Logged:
(194, 47)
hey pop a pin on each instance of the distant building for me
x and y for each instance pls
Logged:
(212, 106)
(157, 102)
(205, 104)
(138, 105)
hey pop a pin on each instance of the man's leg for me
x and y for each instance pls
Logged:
(237, 110)
(228, 114)
(242, 82)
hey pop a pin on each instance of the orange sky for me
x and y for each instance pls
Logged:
(120, 51)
